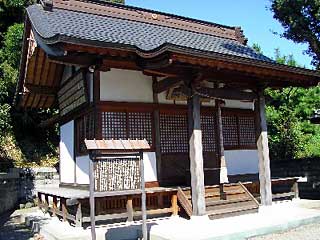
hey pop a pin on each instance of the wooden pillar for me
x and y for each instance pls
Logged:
(79, 215)
(129, 209)
(46, 201)
(196, 157)
(156, 117)
(263, 152)
(295, 189)
(92, 200)
(63, 203)
(39, 200)
(143, 200)
(174, 205)
(223, 165)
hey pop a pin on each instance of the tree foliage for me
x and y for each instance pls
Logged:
(301, 22)
(291, 135)
(28, 144)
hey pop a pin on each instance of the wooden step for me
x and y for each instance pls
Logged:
(232, 210)
(218, 194)
(238, 204)
(237, 200)
(211, 202)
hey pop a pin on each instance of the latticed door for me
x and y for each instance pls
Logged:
(174, 143)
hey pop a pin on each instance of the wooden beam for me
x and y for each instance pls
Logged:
(227, 93)
(196, 157)
(44, 90)
(83, 60)
(223, 166)
(165, 84)
(263, 152)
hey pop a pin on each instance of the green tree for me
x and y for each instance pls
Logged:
(291, 135)
(301, 22)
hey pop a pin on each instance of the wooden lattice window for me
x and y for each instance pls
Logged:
(140, 126)
(173, 133)
(239, 131)
(84, 130)
(247, 131)
(208, 128)
(127, 125)
(114, 125)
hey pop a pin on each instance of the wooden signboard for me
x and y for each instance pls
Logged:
(73, 93)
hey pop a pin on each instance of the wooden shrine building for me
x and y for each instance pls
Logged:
(192, 89)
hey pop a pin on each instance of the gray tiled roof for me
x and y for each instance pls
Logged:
(65, 24)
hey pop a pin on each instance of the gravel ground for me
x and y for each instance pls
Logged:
(310, 232)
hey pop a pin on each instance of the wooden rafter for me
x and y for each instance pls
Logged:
(44, 90)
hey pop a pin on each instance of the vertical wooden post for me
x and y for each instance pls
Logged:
(174, 205)
(54, 206)
(64, 208)
(46, 201)
(79, 215)
(91, 199)
(129, 209)
(156, 117)
(263, 151)
(143, 200)
(196, 157)
(223, 165)
(295, 189)
(39, 199)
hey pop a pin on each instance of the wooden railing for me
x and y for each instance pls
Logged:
(282, 188)
(117, 174)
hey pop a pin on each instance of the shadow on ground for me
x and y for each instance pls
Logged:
(11, 228)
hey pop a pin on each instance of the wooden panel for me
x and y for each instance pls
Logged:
(73, 94)
(117, 174)
(84, 129)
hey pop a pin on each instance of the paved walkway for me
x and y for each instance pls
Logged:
(310, 232)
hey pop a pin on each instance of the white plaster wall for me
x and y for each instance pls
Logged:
(242, 161)
(67, 163)
(82, 169)
(150, 166)
(239, 104)
(125, 86)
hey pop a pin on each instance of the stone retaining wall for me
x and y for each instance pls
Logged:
(309, 167)
(18, 185)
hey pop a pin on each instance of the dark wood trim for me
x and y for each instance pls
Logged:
(224, 93)
(152, 184)
(75, 141)
(165, 84)
(156, 122)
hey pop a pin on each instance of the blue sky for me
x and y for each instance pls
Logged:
(252, 15)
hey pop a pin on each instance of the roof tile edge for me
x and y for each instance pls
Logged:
(99, 7)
